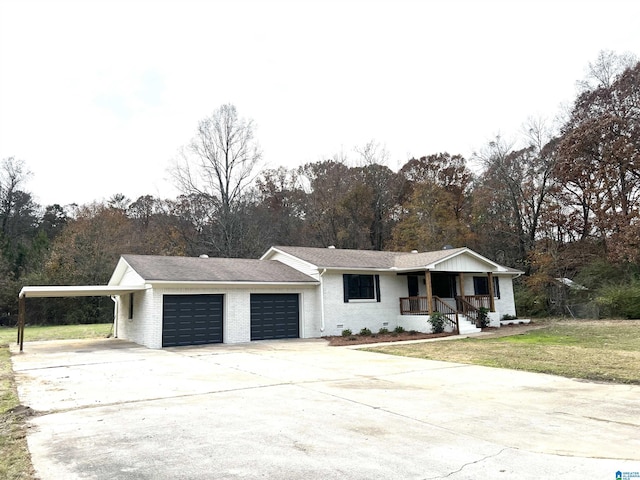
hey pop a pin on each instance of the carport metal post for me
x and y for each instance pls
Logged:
(21, 315)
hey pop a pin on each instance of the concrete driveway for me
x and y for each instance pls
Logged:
(298, 409)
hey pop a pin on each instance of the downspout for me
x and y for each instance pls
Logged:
(322, 300)
(115, 315)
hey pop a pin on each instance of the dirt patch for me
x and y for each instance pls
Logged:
(339, 341)
(22, 410)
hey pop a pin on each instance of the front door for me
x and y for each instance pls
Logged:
(443, 285)
(413, 285)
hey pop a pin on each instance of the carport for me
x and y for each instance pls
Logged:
(66, 291)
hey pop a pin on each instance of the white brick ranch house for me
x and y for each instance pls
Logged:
(303, 292)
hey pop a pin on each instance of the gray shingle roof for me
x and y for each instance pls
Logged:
(194, 269)
(344, 258)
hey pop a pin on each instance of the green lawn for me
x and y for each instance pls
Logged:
(15, 462)
(600, 350)
(58, 332)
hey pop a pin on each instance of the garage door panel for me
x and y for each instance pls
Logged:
(274, 316)
(191, 319)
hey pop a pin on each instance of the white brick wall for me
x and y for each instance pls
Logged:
(143, 327)
(355, 315)
(504, 305)
(146, 326)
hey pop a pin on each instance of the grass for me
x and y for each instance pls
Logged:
(15, 461)
(598, 350)
(57, 332)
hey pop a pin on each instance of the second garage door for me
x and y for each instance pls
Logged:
(274, 316)
(191, 320)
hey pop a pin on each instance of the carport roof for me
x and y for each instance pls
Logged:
(77, 290)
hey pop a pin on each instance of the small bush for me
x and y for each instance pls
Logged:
(528, 302)
(383, 331)
(483, 317)
(437, 322)
(506, 316)
(347, 333)
(398, 329)
(413, 332)
(365, 332)
(621, 300)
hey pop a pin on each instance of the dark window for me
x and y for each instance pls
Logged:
(130, 306)
(361, 287)
(414, 289)
(443, 285)
(481, 286)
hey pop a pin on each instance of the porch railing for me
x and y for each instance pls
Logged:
(414, 306)
(470, 305)
(420, 306)
(468, 309)
(477, 301)
(450, 313)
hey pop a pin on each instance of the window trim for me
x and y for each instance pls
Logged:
(346, 277)
(496, 285)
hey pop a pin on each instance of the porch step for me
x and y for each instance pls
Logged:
(466, 326)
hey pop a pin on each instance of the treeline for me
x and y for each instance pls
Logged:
(555, 203)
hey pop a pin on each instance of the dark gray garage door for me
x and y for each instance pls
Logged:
(191, 320)
(274, 316)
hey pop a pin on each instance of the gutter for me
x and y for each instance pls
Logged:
(231, 283)
(322, 300)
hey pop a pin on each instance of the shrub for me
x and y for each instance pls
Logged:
(506, 316)
(437, 322)
(383, 331)
(365, 332)
(528, 302)
(621, 300)
(483, 317)
(398, 329)
(347, 333)
(413, 332)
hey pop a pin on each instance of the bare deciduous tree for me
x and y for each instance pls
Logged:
(219, 164)
(606, 69)
(13, 174)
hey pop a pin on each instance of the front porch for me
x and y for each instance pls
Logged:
(468, 305)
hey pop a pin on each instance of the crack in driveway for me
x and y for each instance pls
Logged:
(480, 460)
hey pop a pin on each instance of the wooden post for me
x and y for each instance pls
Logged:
(461, 276)
(427, 276)
(492, 303)
(21, 315)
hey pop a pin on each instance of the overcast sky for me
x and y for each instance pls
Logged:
(97, 96)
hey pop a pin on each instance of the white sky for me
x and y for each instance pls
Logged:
(97, 96)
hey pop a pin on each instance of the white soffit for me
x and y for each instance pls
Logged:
(78, 291)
